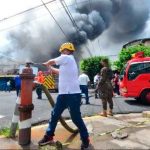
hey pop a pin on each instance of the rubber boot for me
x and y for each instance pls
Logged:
(104, 113)
(110, 113)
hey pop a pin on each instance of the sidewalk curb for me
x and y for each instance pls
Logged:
(146, 114)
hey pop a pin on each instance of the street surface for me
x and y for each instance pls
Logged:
(42, 107)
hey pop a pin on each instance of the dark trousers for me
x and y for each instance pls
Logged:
(17, 90)
(109, 101)
(84, 89)
(72, 102)
(116, 89)
(8, 88)
(39, 91)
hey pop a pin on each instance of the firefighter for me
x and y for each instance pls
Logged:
(105, 88)
(69, 94)
(40, 79)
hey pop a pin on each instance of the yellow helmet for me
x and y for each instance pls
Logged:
(68, 46)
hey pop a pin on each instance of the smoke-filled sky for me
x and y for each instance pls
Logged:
(96, 27)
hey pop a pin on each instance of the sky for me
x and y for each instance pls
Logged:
(96, 27)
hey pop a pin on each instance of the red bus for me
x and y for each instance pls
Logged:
(135, 78)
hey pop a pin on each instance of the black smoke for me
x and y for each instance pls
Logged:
(125, 17)
(40, 40)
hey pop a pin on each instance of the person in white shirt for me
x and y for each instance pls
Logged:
(8, 86)
(84, 82)
(96, 79)
(69, 94)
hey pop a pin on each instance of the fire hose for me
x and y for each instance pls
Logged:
(62, 121)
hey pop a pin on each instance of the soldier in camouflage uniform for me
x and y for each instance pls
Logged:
(105, 88)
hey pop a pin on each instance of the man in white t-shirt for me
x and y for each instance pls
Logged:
(8, 86)
(96, 80)
(84, 82)
(69, 94)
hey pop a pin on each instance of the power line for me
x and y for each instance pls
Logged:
(69, 14)
(85, 45)
(20, 13)
(72, 19)
(18, 24)
(90, 4)
(44, 4)
(54, 19)
(11, 59)
(24, 21)
(25, 12)
(69, 17)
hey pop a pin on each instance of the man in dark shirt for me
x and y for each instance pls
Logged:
(17, 84)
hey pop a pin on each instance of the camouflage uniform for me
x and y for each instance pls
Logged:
(105, 88)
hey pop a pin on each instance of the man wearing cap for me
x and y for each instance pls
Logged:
(69, 94)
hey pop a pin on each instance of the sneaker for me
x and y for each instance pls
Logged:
(46, 140)
(85, 144)
(87, 103)
(39, 97)
(110, 113)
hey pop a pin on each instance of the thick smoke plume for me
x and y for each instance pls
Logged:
(126, 16)
(40, 40)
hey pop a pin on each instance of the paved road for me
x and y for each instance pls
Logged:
(42, 107)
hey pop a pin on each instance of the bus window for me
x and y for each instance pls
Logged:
(137, 69)
(146, 67)
(122, 72)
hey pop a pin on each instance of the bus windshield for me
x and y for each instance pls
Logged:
(137, 69)
(122, 72)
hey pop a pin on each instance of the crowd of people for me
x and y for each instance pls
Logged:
(71, 87)
(11, 83)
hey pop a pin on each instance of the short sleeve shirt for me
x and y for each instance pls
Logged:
(68, 74)
(83, 79)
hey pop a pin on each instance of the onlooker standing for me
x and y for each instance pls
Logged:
(96, 79)
(8, 86)
(116, 84)
(17, 83)
(40, 79)
(84, 82)
(105, 88)
(69, 94)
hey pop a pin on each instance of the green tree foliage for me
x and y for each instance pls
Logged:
(126, 54)
(91, 66)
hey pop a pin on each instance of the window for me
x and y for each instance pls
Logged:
(122, 73)
(137, 69)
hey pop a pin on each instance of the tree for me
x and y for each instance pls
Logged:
(91, 65)
(126, 54)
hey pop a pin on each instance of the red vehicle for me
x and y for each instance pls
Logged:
(135, 78)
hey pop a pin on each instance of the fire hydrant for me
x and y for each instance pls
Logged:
(26, 106)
